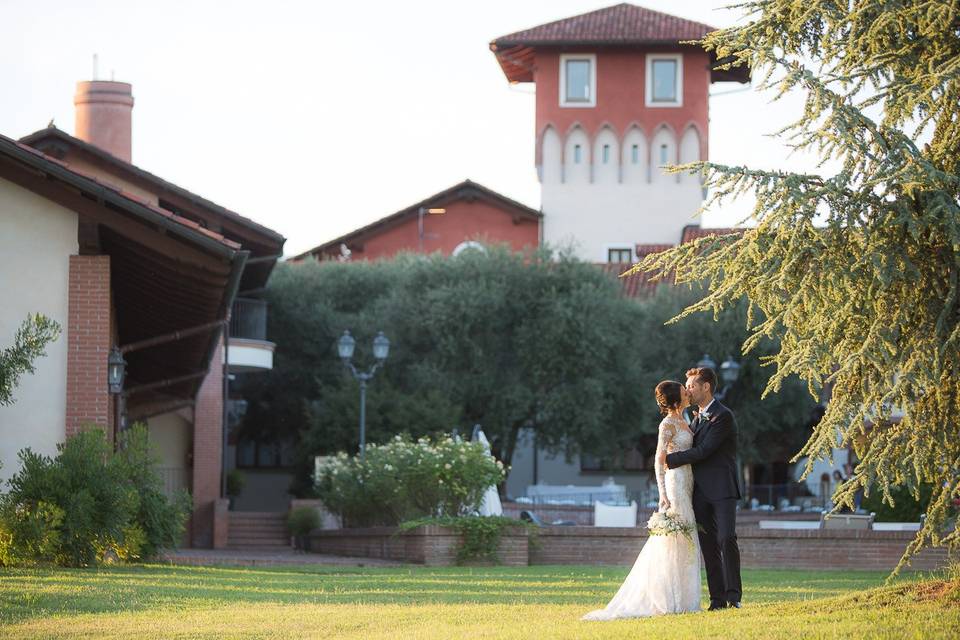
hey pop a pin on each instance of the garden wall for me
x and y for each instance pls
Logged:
(575, 545)
(430, 545)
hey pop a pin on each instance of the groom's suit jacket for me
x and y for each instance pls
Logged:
(713, 455)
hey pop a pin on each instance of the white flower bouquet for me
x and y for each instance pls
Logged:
(669, 522)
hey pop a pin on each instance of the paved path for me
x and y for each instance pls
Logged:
(267, 557)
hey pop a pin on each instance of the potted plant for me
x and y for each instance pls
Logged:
(301, 522)
(235, 483)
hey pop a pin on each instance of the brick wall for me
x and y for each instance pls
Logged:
(207, 452)
(759, 548)
(430, 545)
(88, 344)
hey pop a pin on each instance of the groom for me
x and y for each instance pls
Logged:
(716, 488)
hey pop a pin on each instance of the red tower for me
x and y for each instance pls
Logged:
(618, 97)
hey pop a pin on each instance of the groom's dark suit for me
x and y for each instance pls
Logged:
(716, 490)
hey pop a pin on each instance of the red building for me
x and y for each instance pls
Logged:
(448, 222)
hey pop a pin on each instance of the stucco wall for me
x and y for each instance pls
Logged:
(36, 239)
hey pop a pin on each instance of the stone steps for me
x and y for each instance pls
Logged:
(252, 530)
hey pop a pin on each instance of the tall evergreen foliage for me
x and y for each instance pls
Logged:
(857, 273)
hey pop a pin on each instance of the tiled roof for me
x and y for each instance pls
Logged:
(620, 24)
(644, 250)
(133, 201)
(52, 133)
(638, 285)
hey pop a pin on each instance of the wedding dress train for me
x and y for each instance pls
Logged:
(666, 575)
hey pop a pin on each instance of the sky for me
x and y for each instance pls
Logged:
(315, 118)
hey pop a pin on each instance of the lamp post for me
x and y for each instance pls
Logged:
(435, 211)
(381, 348)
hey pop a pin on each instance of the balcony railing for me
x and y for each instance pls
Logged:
(174, 479)
(249, 319)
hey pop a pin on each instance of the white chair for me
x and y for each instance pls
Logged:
(608, 515)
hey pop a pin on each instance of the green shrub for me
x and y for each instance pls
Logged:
(88, 504)
(236, 481)
(303, 520)
(906, 508)
(404, 480)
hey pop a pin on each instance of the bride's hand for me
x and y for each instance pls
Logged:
(664, 504)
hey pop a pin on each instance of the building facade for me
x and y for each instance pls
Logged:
(124, 260)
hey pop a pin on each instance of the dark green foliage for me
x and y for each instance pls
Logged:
(236, 481)
(495, 338)
(905, 507)
(303, 520)
(854, 268)
(36, 332)
(87, 503)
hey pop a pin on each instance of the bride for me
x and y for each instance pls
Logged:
(666, 575)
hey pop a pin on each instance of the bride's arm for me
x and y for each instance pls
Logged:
(664, 436)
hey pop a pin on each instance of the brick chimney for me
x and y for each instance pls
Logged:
(104, 111)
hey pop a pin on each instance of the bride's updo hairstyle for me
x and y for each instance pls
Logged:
(668, 396)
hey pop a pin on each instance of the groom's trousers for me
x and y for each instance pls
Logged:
(718, 543)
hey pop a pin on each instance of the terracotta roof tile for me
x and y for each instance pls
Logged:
(620, 24)
(638, 285)
(125, 195)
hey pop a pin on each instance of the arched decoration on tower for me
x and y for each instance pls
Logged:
(576, 156)
(606, 156)
(635, 156)
(663, 151)
(550, 157)
(690, 149)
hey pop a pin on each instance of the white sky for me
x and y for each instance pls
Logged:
(315, 118)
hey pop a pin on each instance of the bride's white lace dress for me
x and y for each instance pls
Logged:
(666, 575)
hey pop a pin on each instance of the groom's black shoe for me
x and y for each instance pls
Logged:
(733, 605)
(716, 606)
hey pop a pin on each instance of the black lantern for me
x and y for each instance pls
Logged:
(116, 369)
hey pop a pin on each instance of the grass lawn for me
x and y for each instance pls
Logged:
(159, 601)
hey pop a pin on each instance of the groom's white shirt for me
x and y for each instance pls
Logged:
(706, 409)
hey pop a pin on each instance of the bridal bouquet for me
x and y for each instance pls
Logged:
(665, 523)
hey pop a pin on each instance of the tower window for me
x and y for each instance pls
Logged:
(577, 154)
(663, 154)
(619, 255)
(664, 80)
(635, 154)
(578, 80)
(606, 154)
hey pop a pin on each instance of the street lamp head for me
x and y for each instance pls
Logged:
(707, 362)
(345, 346)
(381, 347)
(729, 370)
(116, 369)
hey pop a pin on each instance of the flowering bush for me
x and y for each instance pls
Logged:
(404, 480)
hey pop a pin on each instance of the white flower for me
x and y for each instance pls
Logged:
(447, 466)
